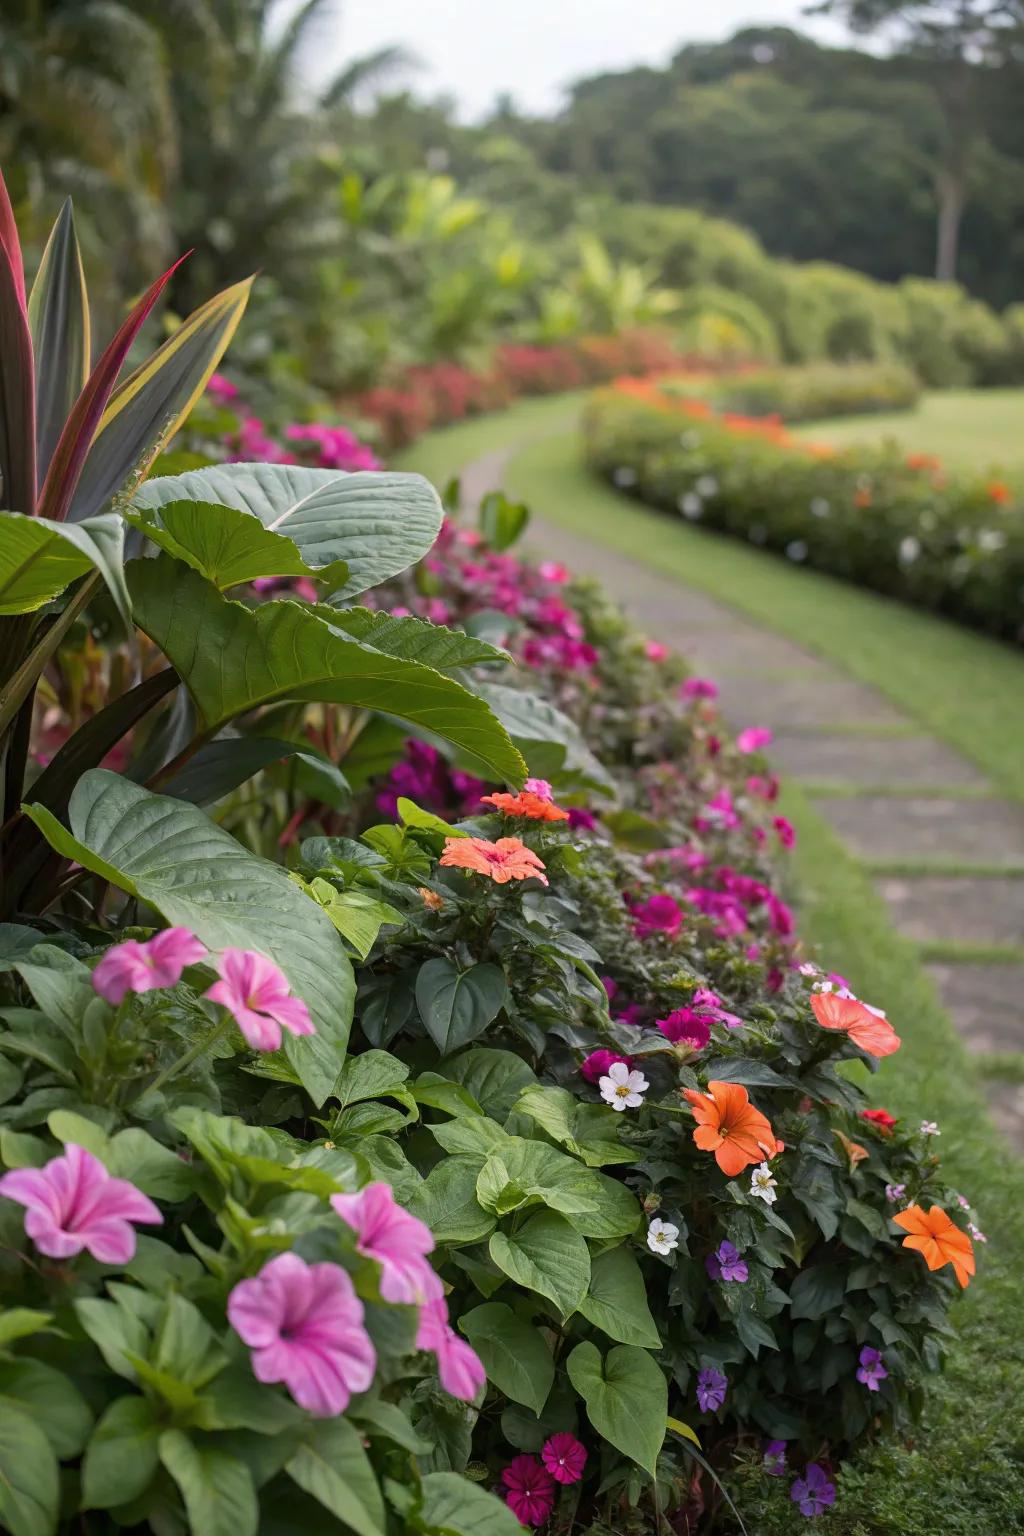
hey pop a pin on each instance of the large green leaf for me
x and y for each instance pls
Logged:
(457, 1006)
(58, 315)
(226, 546)
(217, 1489)
(123, 1454)
(234, 658)
(547, 1256)
(513, 1352)
(552, 744)
(168, 853)
(39, 558)
(453, 1506)
(419, 640)
(617, 1300)
(626, 1398)
(378, 524)
(589, 1131)
(332, 1467)
(29, 1477)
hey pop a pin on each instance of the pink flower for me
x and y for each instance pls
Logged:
(785, 830)
(257, 994)
(552, 570)
(135, 967)
(753, 739)
(459, 1367)
(655, 651)
(564, 1457)
(698, 688)
(397, 1241)
(531, 1490)
(304, 1324)
(539, 787)
(719, 815)
(597, 1063)
(684, 1025)
(763, 788)
(221, 389)
(658, 914)
(72, 1203)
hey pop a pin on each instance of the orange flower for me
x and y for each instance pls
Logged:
(853, 1149)
(507, 859)
(431, 899)
(938, 1238)
(998, 492)
(922, 461)
(862, 498)
(871, 1031)
(526, 803)
(729, 1126)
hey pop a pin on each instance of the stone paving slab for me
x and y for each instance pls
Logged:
(971, 831)
(817, 701)
(957, 908)
(985, 1002)
(1006, 1106)
(873, 760)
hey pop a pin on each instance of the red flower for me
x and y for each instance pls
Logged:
(998, 492)
(564, 1457)
(880, 1118)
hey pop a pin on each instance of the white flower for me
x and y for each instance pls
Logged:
(690, 505)
(625, 477)
(820, 507)
(762, 1185)
(706, 485)
(623, 1089)
(662, 1236)
(809, 969)
(929, 1128)
(796, 550)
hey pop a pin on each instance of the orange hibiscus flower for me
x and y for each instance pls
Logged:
(507, 859)
(938, 1238)
(729, 1126)
(871, 1031)
(526, 803)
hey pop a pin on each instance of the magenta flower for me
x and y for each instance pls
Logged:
(685, 1026)
(658, 914)
(699, 688)
(459, 1367)
(397, 1241)
(725, 1264)
(785, 831)
(597, 1063)
(813, 1492)
(72, 1203)
(256, 993)
(539, 787)
(565, 1458)
(304, 1325)
(135, 967)
(655, 651)
(221, 389)
(553, 570)
(711, 1389)
(581, 820)
(531, 1490)
(753, 739)
(774, 1462)
(871, 1370)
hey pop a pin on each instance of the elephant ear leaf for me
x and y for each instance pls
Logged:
(58, 313)
(39, 558)
(226, 546)
(168, 853)
(377, 523)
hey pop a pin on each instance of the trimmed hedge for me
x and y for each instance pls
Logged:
(895, 523)
(809, 393)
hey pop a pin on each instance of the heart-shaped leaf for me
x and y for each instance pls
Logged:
(626, 1398)
(457, 1006)
(547, 1256)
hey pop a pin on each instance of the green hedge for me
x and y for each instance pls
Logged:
(893, 523)
(811, 392)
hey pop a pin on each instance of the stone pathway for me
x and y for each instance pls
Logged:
(854, 748)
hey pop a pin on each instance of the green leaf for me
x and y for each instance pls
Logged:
(369, 1076)
(226, 546)
(378, 524)
(684, 1431)
(414, 639)
(281, 650)
(221, 765)
(589, 1131)
(551, 743)
(171, 855)
(116, 1332)
(20, 1322)
(356, 914)
(514, 1354)
(617, 1300)
(123, 1454)
(473, 1134)
(817, 1291)
(58, 315)
(495, 1078)
(747, 1070)
(217, 1489)
(29, 1477)
(160, 1173)
(51, 1399)
(502, 521)
(626, 1399)
(39, 558)
(447, 1202)
(546, 1255)
(457, 1006)
(453, 1506)
(333, 1468)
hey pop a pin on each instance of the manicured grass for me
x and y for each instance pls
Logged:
(957, 685)
(979, 431)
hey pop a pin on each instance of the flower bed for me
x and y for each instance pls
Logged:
(899, 524)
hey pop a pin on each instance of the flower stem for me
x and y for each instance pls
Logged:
(188, 1057)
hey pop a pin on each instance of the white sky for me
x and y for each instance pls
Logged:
(475, 49)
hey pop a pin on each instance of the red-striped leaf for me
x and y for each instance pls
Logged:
(17, 387)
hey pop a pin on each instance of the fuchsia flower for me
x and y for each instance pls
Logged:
(655, 651)
(719, 815)
(221, 389)
(698, 688)
(552, 570)
(72, 1203)
(684, 1025)
(531, 1490)
(565, 1458)
(397, 1241)
(459, 1367)
(785, 831)
(763, 788)
(304, 1324)
(753, 739)
(658, 914)
(597, 1063)
(135, 967)
(256, 993)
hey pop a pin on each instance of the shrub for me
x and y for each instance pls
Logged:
(896, 523)
(834, 313)
(951, 338)
(714, 323)
(810, 392)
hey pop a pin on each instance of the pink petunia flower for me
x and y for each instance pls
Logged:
(655, 651)
(596, 1065)
(753, 739)
(397, 1241)
(256, 992)
(72, 1203)
(531, 1490)
(459, 1367)
(304, 1325)
(565, 1458)
(135, 967)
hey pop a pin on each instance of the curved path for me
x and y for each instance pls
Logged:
(945, 850)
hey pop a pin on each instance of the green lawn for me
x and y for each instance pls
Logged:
(971, 430)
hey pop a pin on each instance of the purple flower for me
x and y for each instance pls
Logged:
(711, 1390)
(894, 1192)
(813, 1492)
(725, 1264)
(871, 1370)
(775, 1458)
